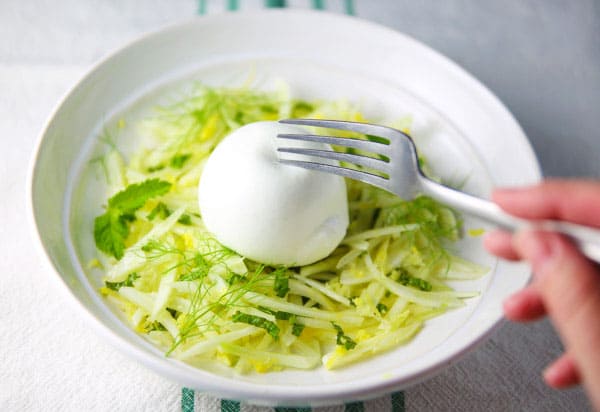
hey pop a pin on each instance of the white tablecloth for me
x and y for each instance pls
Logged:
(51, 360)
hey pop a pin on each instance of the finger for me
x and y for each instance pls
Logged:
(562, 373)
(525, 305)
(500, 244)
(553, 199)
(569, 285)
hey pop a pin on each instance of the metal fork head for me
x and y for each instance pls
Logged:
(394, 161)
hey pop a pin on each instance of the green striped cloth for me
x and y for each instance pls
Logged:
(197, 401)
(194, 400)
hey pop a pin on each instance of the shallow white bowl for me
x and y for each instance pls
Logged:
(466, 133)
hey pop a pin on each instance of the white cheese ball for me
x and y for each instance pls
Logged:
(270, 212)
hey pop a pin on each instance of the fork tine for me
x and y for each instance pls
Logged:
(370, 162)
(365, 177)
(360, 144)
(364, 128)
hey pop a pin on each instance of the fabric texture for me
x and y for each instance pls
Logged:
(52, 360)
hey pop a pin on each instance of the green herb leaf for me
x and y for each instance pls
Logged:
(148, 247)
(377, 139)
(110, 231)
(161, 210)
(267, 310)
(136, 195)
(155, 326)
(178, 161)
(342, 339)
(297, 329)
(156, 168)
(269, 109)
(281, 283)
(127, 282)
(198, 268)
(381, 308)
(279, 314)
(110, 228)
(302, 109)
(418, 283)
(257, 321)
(185, 219)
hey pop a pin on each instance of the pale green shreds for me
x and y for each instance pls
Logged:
(200, 301)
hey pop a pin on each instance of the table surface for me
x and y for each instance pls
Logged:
(540, 57)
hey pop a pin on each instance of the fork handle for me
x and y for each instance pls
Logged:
(585, 238)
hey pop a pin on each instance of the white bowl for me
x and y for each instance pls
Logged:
(463, 129)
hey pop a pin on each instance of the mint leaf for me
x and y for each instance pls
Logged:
(257, 321)
(417, 283)
(127, 282)
(160, 210)
(111, 228)
(135, 196)
(279, 314)
(110, 232)
(297, 329)
(382, 308)
(178, 161)
(281, 283)
(185, 220)
(342, 339)
(156, 325)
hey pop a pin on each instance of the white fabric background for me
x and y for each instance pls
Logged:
(50, 359)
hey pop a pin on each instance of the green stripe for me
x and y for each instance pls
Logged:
(355, 407)
(230, 406)
(318, 4)
(233, 5)
(275, 3)
(398, 404)
(201, 6)
(349, 7)
(187, 400)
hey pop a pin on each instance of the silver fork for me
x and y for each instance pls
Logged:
(401, 174)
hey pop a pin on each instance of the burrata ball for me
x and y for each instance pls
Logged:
(266, 211)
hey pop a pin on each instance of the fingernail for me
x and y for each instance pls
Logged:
(511, 302)
(551, 375)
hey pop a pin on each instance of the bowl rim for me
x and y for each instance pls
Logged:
(255, 392)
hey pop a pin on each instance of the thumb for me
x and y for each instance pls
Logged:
(569, 285)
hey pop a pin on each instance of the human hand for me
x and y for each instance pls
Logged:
(565, 286)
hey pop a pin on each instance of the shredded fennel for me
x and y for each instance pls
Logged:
(196, 299)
